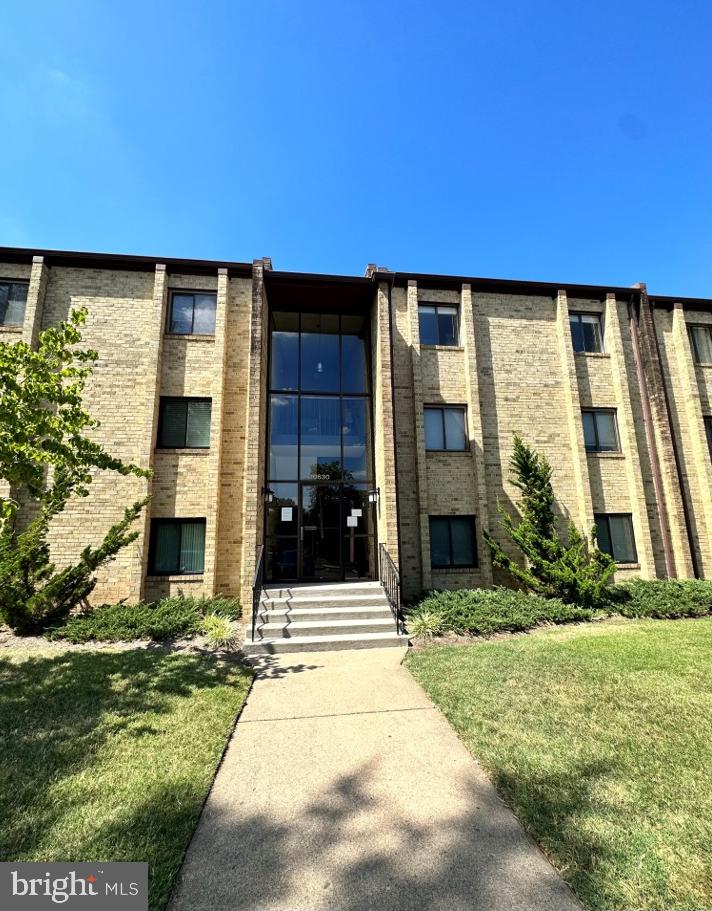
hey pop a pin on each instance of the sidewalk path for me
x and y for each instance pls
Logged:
(344, 788)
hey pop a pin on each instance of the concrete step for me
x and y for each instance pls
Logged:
(373, 598)
(305, 589)
(324, 628)
(359, 612)
(325, 643)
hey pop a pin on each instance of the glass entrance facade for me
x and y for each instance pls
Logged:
(320, 524)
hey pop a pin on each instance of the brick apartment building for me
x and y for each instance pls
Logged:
(324, 415)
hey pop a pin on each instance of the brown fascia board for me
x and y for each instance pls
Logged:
(666, 302)
(513, 286)
(426, 281)
(122, 261)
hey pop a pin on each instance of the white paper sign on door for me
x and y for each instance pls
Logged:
(286, 513)
(351, 521)
(357, 512)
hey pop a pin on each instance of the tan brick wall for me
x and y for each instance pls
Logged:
(514, 371)
(122, 327)
(688, 386)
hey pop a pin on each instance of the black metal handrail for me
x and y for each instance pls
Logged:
(257, 586)
(390, 580)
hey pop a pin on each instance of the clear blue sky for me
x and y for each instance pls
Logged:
(564, 140)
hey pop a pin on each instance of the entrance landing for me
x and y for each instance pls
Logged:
(344, 789)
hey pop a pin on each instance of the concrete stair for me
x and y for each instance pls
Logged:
(305, 618)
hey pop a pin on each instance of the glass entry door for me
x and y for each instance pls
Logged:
(319, 525)
(337, 533)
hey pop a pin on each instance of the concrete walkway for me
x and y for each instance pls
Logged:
(344, 788)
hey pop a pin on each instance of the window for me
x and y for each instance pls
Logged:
(600, 433)
(614, 534)
(184, 423)
(444, 428)
(586, 331)
(13, 297)
(192, 313)
(452, 541)
(439, 325)
(701, 337)
(177, 546)
(708, 430)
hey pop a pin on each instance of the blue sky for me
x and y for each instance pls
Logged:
(544, 140)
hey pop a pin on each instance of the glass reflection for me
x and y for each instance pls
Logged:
(283, 437)
(320, 437)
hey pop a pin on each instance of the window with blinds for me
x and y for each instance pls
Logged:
(184, 423)
(177, 547)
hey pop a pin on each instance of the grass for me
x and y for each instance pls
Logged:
(600, 738)
(108, 755)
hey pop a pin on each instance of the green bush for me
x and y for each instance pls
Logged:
(662, 598)
(166, 619)
(483, 611)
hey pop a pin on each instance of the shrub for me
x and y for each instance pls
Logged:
(662, 598)
(425, 622)
(484, 611)
(166, 619)
(217, 630)
(570, 568)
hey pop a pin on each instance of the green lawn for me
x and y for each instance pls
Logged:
(600, 738)
(108, 755)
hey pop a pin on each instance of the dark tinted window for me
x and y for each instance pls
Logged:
(452, 541)
(438, 324)
(701, 337)
(614, 535)
(599, 430)
(13, 299)
(586, 332)
(184, 423)
(320, 353)
(444, 428)
(192, 312)
(354, 336)
(177, 546)
(285, 351)
(283, 437)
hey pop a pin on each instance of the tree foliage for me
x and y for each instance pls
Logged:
(574, 569)
(47, 455)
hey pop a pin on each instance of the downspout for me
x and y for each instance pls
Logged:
(675, 449)
(652, 446)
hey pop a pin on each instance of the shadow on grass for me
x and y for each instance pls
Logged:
(553, 808)
(59, 712)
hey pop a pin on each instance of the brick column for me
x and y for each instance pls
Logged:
(623, 376)
(700, 471)
(39, 277)
(216, 434)
(655, 381)
(583, 517)
(255, 435)
(474, 427)
(383, 417)
(421, 479)
(151, 380)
